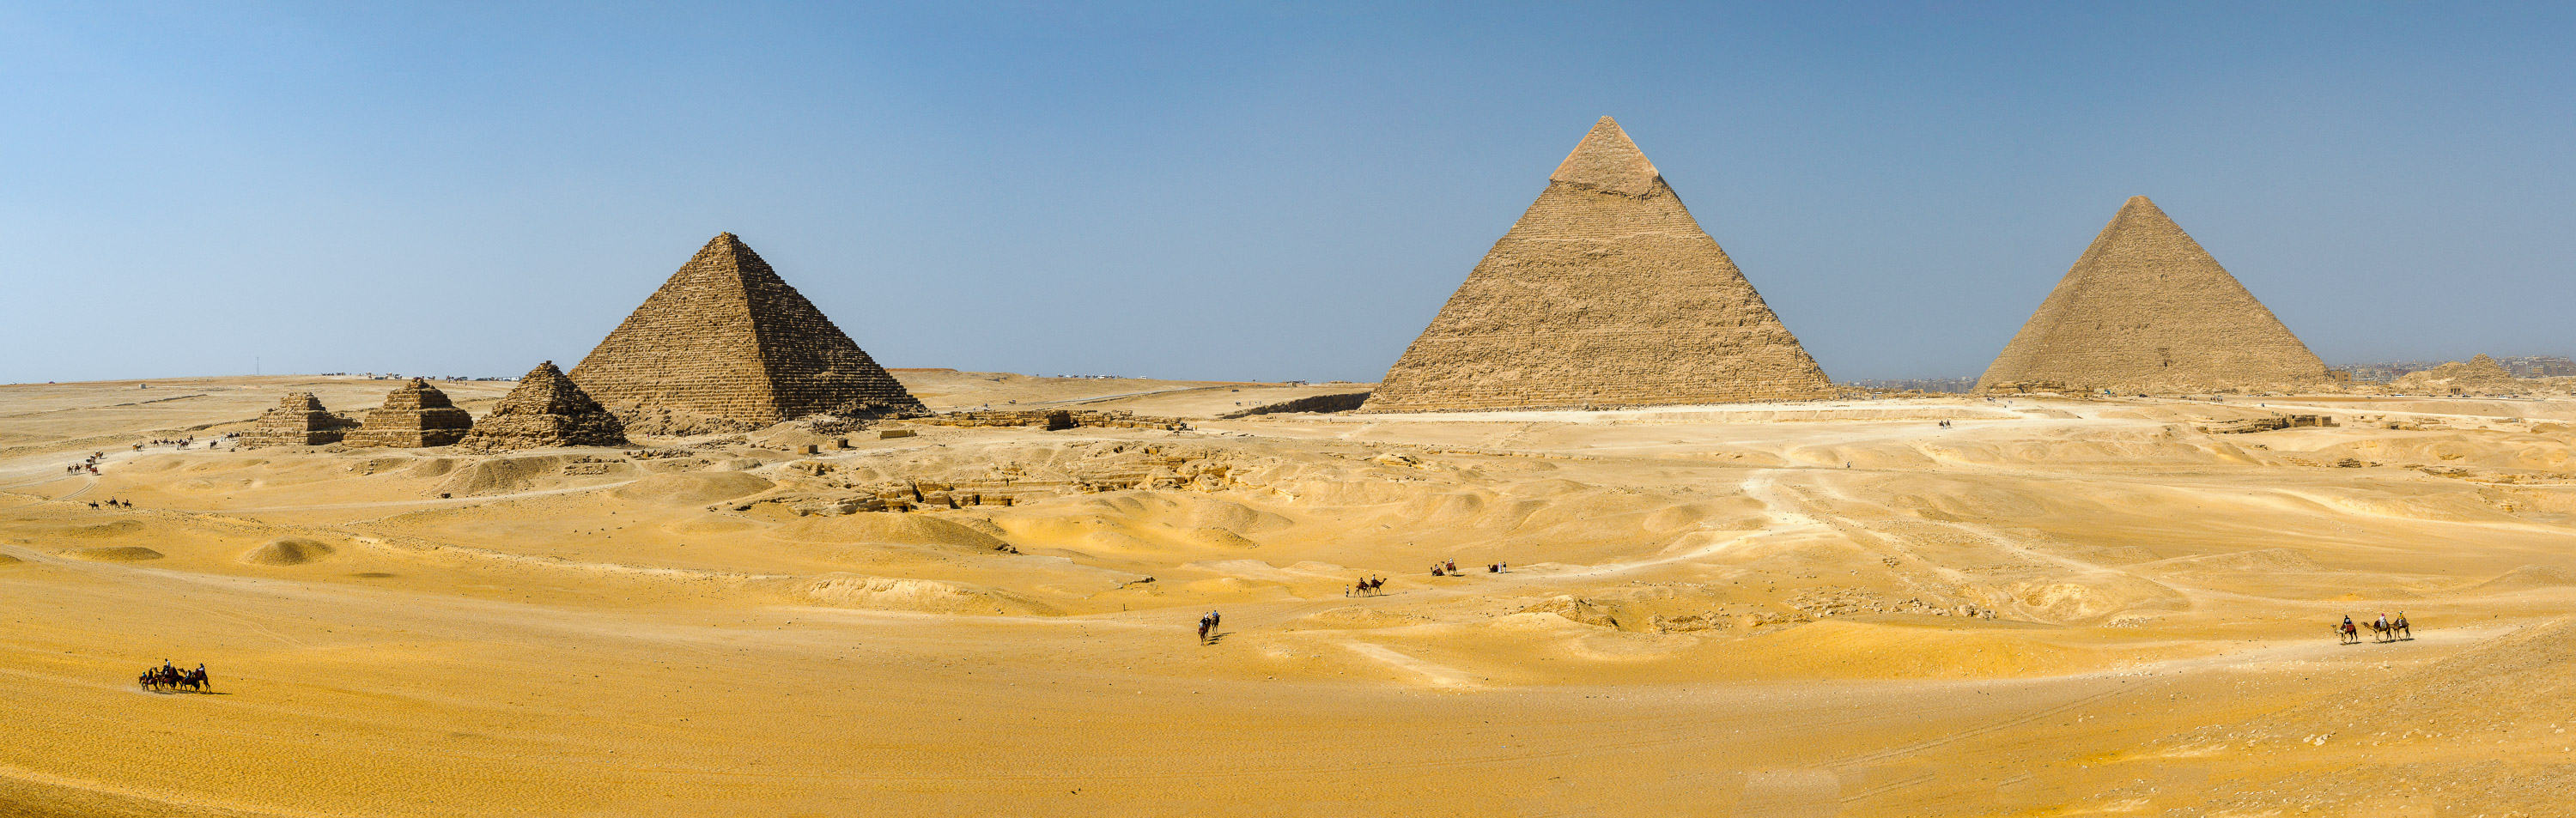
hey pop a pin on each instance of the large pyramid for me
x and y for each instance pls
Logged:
(2145, 310)
(725, 338)
(1606, 293)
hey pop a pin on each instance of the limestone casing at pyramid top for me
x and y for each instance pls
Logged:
(1608, 160)
(2146, 309)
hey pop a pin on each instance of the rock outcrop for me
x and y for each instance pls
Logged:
(414, 416)
(298, 420)
(2145, 310)
(545, 409)
(726, 340)
(1606, 293)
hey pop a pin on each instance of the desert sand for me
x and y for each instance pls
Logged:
(2044, 607)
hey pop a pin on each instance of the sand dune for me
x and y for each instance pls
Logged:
(1838, 607)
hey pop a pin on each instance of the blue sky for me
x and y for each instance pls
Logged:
(1240, 191)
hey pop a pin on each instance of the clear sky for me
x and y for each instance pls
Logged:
(1199, 190)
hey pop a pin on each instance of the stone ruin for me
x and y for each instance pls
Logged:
(298, 420)
(725, 345)
(1605, 294)
(2476, 376)
(2273, 423)
(2145, 310)
(1053, 419)
(545, 409)
(414, 416)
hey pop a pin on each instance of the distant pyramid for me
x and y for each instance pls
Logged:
(2145, 310)
(1606, 293)
(2476, 376)
(725, 338)
(545, 409)
(414, 415)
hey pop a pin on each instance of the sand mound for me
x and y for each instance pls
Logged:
(9, 560)
(691, 489)
(886, 527)
(101, 531)
(2268, 559)
(2077, 599)
(287, 551)
(2528, 577)
(120, 553)
(1355, 617)
(1575, 610)
(500, 475)
(922, 595)
(1221, 538)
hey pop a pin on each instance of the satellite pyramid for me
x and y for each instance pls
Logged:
(726, 338)
(1606, 293)
(297, 420)
(415, 415)
(2145, 310)
(545, 409)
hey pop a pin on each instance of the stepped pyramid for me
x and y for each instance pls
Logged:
(297, 420)
(725, 338)
(2145, 310)
(545, 409)
(414, 415)
(1606, 293)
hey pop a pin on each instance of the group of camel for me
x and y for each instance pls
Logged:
(2382, 629)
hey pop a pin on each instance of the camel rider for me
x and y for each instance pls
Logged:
(2383, 622)
(2347, 621)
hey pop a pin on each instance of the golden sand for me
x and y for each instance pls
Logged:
(2051, 607)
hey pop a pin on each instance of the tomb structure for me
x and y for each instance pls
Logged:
(414, 416)
(1605, 294)
(726, 340)
(2145, 310)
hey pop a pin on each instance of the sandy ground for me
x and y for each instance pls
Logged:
(2048, 607)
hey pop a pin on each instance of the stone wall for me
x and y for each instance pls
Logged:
(2145, 310)
(1314, 403)
(1605, 294)
(1052, 419)
(725, 337)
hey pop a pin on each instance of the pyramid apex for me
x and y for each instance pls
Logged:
(1608, 160)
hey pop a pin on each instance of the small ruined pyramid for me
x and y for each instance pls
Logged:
(414, 415)
(2480, 375)
(545, 409)
(1605, 294)
(297, 420)
(726, 339)
(2146, 310)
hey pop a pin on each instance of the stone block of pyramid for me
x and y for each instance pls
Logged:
(414, 415)
(545, 409)
(2146, 310)
(726, 338)
(1606, 293)
(298, 420)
